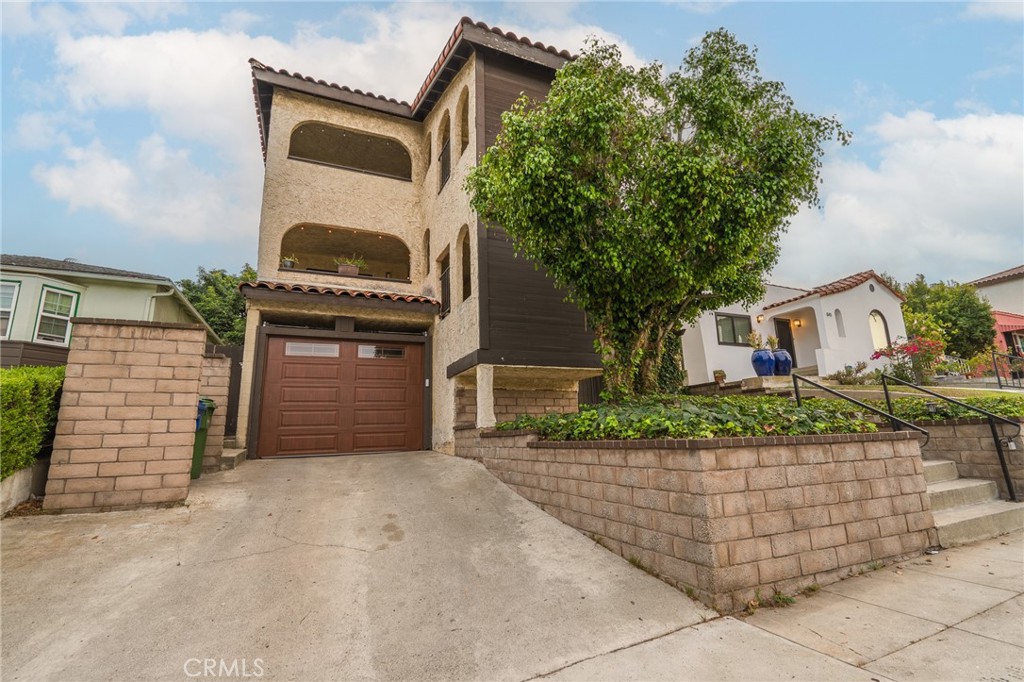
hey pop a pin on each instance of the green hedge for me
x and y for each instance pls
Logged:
(696, 417)
(916, 409)
(29, 409)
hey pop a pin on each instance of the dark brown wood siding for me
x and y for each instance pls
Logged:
(17, 353)
(527, 316)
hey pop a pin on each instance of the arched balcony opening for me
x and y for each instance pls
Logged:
(353, 150)
(444, 156)
(466, 263)
(321, 248)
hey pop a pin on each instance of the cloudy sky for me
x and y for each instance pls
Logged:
(130, 139)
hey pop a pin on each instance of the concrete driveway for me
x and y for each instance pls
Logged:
(404, 567)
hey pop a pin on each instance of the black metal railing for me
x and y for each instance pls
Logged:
(992, 419)
(893, 419)
(1012, 366)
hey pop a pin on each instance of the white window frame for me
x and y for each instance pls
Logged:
(14, 304)
(42, 312)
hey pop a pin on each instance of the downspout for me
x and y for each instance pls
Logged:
(151, 305)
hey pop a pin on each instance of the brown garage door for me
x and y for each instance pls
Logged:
(323, 396)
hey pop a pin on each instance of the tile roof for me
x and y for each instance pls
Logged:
(838, 286)
(1012, 273)
(454, 39)
(72, 266)
(435, 77)
(337, 291)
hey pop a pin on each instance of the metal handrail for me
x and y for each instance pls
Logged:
(1010, 380)
(992, 419)
(893, 419)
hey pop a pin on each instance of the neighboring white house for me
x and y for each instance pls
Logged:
(40, 296)
(1005, 292)
(825, 328)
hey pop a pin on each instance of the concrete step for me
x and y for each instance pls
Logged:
(971, 523)
(939, 470)
(231, 458)
(962, 491)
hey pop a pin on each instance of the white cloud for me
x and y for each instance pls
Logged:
(946, 199)
(1011, 10)
(159, 191)
(27, 18)
(239, 21)
(196, 173)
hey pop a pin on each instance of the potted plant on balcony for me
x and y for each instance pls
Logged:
(762, 358)
(783, 360)
(288, 262)
(349, 265)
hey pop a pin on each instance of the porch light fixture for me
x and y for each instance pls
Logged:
(760, 319)
(798, 323)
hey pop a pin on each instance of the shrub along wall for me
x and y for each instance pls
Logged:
(28, 401)
(727, 518)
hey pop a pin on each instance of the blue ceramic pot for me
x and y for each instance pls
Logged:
(763, 362)
(783, 362)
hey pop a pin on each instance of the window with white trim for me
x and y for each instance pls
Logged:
(54, 325)
(8, 299)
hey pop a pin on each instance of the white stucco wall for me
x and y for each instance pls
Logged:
(1007, 296)
(816, 340)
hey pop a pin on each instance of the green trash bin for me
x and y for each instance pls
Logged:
(203, 418)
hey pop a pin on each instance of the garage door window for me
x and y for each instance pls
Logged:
(312, 350)
(383, 352)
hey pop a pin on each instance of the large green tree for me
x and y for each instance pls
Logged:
(966, 319)
(215, 294)
(652, 197)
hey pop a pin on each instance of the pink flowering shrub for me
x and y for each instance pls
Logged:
(912, 360)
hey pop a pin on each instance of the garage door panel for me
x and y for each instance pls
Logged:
(308, 444)
(380, 417)
(292, 395)
(375, 442)
(329, 418)
(320, 371)
(323, 398)
(381, 395)
(382, 373)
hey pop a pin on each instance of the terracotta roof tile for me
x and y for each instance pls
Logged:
(337, 291)
(1008, 322)
(838, 286)
(454, 40)
(1012, 273)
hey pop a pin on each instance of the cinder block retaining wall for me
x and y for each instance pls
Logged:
(126, 424)
(968, 442)
(510, 403)
(728, 517)
(213, 384)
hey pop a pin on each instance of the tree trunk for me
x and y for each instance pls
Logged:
(653, 351)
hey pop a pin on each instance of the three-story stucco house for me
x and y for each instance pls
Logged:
(442, 326)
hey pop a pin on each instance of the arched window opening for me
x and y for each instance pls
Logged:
(467, 267)
(321, 248)
(444, 158)
(879, 330)
(839, 323)
(430, 151)
(463, 120)
(444, 264)
(426, 252)
(350, 149)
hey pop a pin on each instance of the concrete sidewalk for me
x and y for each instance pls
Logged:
(419, 566)
(957, 615)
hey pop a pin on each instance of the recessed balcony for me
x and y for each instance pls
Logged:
(320, 249)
